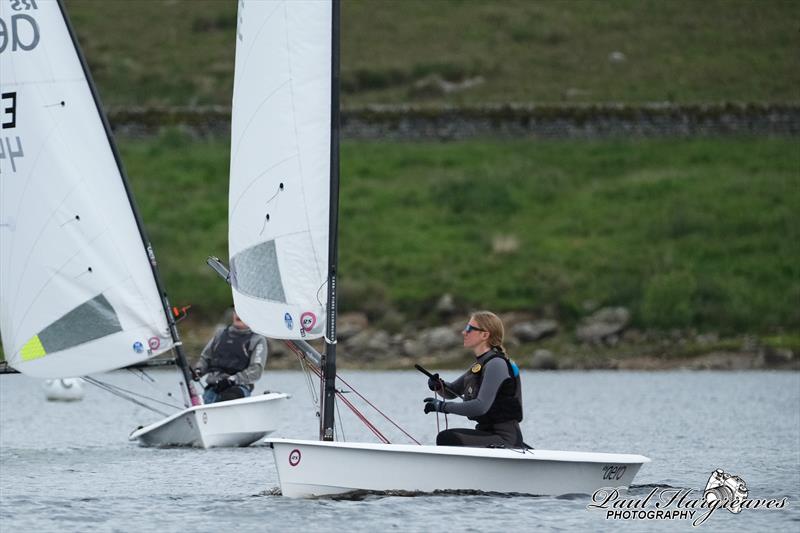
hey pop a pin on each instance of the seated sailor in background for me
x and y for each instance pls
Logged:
(491, 390)
(232, 362)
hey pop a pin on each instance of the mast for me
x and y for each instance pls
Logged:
(328, 396)
(176, 340)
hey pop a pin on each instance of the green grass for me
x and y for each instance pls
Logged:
(181, 52)
(700, 233)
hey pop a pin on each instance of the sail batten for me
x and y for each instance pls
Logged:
(77, 292)
(280, 173)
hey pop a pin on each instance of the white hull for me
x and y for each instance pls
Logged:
(314, 468)
(224, 424)
(63, 390)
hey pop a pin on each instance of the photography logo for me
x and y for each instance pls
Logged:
(722, 487)
(723, 491)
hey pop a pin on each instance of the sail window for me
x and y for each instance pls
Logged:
(89, 321)
(255, 272)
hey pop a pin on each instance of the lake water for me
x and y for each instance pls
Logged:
(69, 466)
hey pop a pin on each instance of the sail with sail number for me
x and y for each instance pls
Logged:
(77, 292)
(280, 168)
(80, 291)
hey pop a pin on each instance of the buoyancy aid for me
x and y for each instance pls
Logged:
(230, 353)
(507, 404)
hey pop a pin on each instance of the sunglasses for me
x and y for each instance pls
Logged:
(470, 327)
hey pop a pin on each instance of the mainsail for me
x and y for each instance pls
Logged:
(280, 167)
(77, 292)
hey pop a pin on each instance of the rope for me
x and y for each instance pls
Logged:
(126, 395)
(376, 409)
(356, 411)
(311, 392)
(350, 405)
(339, 419)
(435, 395)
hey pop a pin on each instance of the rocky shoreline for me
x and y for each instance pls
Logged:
(603, 340)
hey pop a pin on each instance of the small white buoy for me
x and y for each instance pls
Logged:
(64, 390)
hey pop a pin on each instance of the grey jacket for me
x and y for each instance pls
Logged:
(256, 347)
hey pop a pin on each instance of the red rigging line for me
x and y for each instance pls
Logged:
(350, 405)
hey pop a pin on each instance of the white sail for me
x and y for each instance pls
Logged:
(77, 294)
(280, 166)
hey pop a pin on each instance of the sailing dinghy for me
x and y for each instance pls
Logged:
(80, 287)
(283, 245)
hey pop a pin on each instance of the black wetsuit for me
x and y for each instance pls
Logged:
(492, 394)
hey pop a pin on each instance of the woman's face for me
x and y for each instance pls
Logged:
(473, 334)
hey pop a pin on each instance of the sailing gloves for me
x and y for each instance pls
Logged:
(219, 378)
(432, 404)
(435, 383)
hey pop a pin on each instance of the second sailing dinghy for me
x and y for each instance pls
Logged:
(80, 288)
(283, 234)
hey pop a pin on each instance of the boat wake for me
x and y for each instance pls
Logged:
(361, 495)
(650, 486)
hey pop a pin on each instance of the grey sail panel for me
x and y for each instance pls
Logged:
(89, 321)
(255, 272)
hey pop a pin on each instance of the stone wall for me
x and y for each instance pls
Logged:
(503, 121)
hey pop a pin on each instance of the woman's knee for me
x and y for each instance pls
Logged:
(449, 437)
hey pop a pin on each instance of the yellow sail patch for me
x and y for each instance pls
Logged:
(33, 349)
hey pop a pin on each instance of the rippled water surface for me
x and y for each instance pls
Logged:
(69, 466)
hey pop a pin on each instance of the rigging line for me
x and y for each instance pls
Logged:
(319, 301)
(341, 426)
(364, 420)
(438, 429)
(521, 451)
(109, 387)
(354, 409)
(144, 376)
(310, 385)
(306, 367)
(104, 386)
(446, 425)
(141, 374)
(131, 393)
(378, 410)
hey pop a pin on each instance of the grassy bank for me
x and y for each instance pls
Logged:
(181, 52)
(700, 233)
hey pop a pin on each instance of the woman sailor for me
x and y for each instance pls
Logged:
(491, 390)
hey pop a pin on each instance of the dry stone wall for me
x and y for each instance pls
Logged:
(502, 121)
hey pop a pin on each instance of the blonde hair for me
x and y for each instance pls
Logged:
(491, 323)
